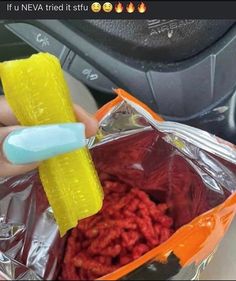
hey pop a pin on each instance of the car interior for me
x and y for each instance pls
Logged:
(183, 69)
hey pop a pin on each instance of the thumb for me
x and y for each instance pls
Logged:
(22, 148)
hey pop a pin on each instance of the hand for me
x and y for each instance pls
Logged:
(22, 148)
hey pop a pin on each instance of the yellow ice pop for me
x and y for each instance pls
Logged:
(37, 93)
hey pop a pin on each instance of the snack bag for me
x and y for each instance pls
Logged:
(169, 200)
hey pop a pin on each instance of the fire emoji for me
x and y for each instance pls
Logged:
(119, 8)
(142, 8)
(130, 8)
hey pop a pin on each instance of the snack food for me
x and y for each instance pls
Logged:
(37, 93)
(191, 171)
(129, 225)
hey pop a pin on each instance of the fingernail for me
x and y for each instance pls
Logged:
(37, 143)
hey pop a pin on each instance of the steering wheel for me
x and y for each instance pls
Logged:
(183, 69)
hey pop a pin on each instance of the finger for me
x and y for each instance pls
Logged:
(7, 118)
(6, 168)
(91, 124)
(22, 148)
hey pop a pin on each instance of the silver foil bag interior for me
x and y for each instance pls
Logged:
(132, 147)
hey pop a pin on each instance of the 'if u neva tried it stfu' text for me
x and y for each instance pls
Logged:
(29, 7)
